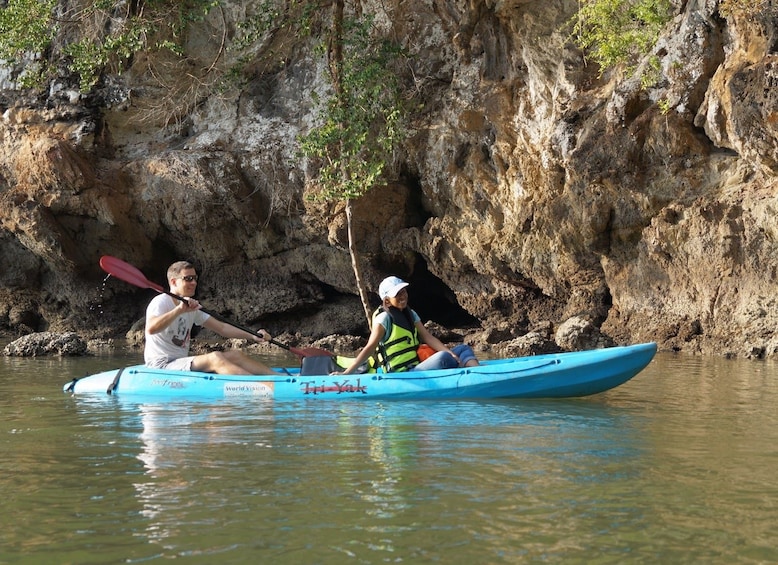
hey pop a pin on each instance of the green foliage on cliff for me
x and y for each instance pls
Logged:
(26, 31)
(105, 34)
(620, 32)
(361, 120)
(360, 108)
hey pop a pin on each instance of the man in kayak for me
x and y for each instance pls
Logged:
(168, 331)
(397, 332)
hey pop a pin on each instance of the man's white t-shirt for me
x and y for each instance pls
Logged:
(172, 342)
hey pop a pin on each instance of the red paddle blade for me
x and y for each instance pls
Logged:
(126, 272)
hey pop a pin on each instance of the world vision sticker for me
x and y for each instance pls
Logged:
(263, 390)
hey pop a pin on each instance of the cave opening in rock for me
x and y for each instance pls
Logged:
(435, 301)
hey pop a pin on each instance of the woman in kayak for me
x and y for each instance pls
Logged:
(397, 333)
(168, 331)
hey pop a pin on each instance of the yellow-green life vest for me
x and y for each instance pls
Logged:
(397, 350)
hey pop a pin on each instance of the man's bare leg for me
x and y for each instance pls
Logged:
(230, 363)
(248, 364)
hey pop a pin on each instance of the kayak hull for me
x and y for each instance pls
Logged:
(556, 375)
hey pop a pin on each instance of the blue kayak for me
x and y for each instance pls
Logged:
(554, 375)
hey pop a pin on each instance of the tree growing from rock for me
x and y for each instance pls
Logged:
(361, 122)
(361, 116)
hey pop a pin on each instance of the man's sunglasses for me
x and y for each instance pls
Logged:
(188, 278)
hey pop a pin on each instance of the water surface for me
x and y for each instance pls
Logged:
(676, 466)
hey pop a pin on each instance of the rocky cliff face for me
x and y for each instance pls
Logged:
(532, 189)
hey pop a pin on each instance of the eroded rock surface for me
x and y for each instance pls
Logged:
(533, 190)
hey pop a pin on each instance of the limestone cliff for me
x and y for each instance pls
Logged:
(532, 189)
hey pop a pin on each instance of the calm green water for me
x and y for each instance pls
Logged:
(680, 465)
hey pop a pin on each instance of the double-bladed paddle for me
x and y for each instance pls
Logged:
(129, 274)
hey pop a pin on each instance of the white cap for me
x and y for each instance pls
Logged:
(390, 286)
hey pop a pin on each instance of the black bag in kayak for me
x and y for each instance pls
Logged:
(326, 364)
(318, 365)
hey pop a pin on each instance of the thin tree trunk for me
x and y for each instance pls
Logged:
(355, 264)
(335, 58)
(335, 47)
